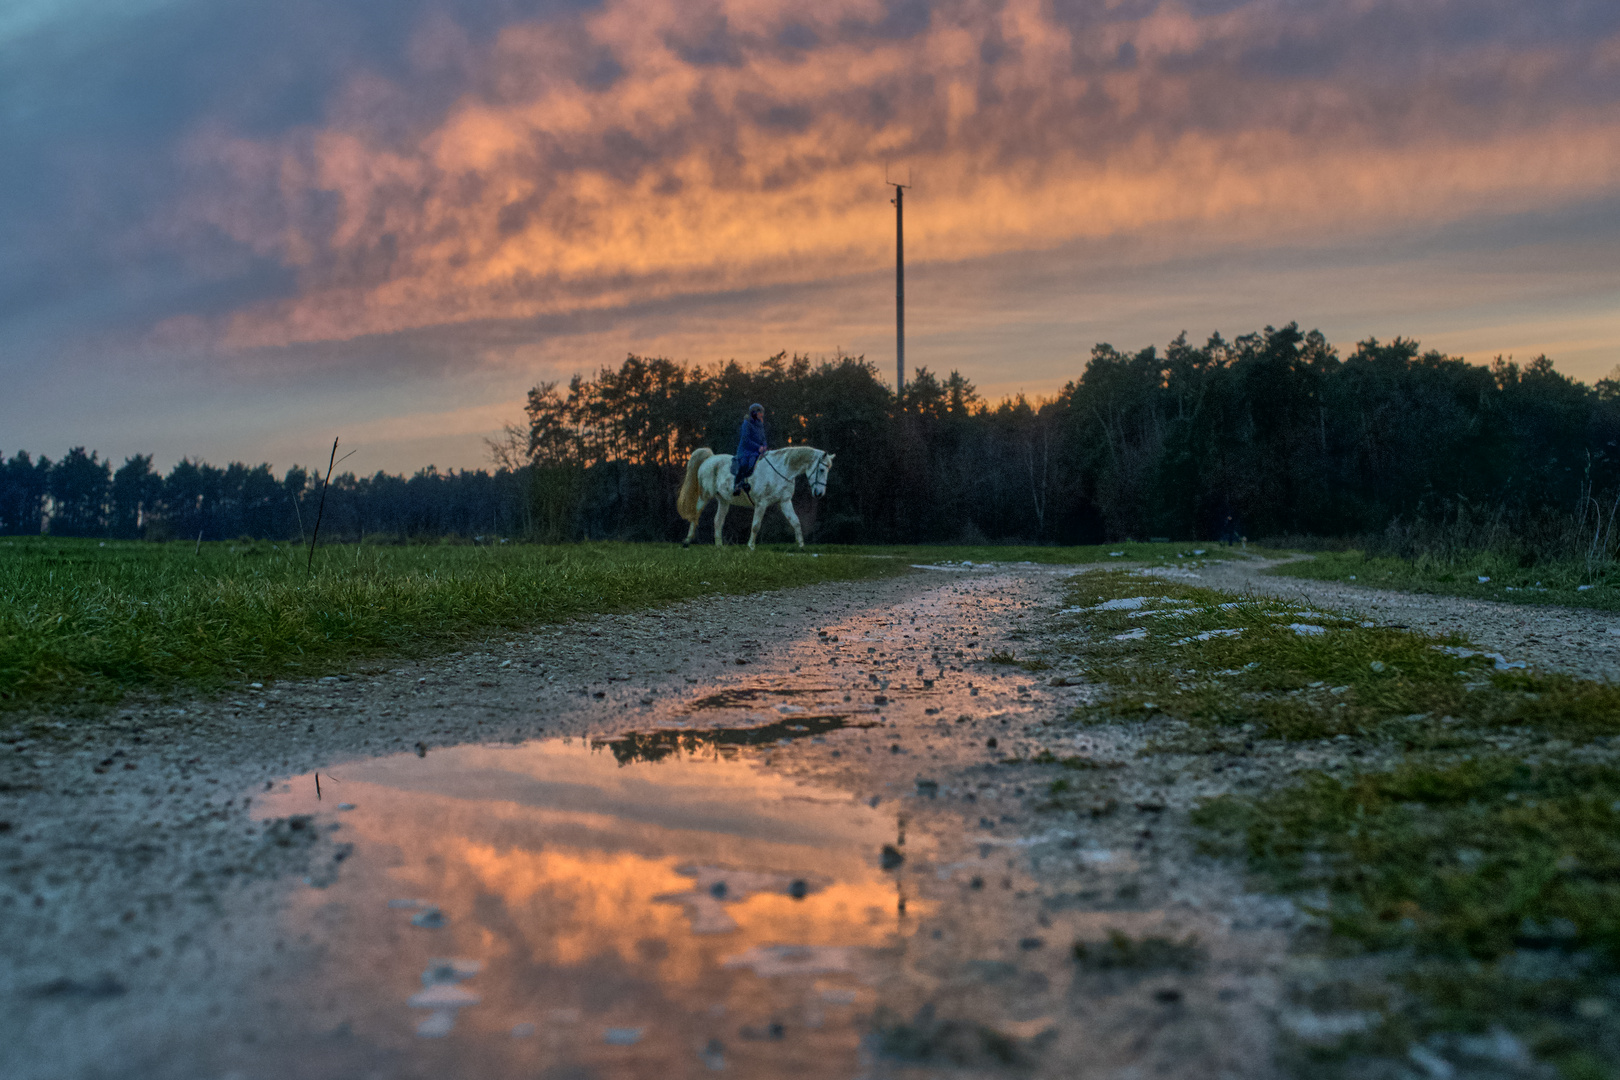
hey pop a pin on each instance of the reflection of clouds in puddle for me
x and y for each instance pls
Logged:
(717, 888)
(676, 899)
(768, 961)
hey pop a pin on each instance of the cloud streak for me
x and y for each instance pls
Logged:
(655, 148)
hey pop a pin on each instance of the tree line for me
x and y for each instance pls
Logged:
(1273, 433)
(83, 495)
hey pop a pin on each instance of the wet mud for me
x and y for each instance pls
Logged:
(838, 858)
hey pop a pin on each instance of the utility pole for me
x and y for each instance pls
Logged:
(899, 284)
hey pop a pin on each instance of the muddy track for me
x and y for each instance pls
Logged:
(157, 923)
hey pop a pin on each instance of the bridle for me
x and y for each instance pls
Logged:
(818, 475)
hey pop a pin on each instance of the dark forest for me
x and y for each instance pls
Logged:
(1272, 434)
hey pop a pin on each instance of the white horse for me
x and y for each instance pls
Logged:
(708, 476)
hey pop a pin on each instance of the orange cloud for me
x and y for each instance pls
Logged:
(742, 144)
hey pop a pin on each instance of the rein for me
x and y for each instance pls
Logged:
(766, 459)
(821, 456)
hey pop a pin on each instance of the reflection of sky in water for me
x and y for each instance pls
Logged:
(651, 917)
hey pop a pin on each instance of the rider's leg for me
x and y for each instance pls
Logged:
(720, 522)
(753, 531)
(793, 519)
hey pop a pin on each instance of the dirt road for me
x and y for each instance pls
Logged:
(177, 901)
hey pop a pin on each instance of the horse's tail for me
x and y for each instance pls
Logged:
(689, 502)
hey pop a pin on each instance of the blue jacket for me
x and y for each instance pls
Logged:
(749, 442)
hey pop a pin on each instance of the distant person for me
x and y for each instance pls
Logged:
(750, 446)
(1229, 531)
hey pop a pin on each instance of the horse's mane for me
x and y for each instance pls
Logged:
(798, 458)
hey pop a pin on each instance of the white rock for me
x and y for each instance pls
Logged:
(443, 996)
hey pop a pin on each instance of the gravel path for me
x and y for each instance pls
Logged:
(1579, 641)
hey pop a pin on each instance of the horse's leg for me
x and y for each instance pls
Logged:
(753, 530)
(720, 521)
(691, 533)
(793, 520)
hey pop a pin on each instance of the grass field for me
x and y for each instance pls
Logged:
(1478, 575)
(83, 622)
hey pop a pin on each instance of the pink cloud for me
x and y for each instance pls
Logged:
(653, 148)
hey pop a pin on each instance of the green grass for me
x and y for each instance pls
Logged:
(1545, 583)
(83, 622)
(1485, 883)
(1252, 667)
(1496, 881)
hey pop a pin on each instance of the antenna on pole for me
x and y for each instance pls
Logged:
(899, 279)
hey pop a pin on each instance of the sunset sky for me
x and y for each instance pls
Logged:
(233, 230)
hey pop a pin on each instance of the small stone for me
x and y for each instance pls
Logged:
(451, 971)
(622, 1036)
(345, 806)
(429, 918)
(443, 996)
(891, 857)
(1431, 1063)
(714, 1055)
(798, 889)
(438, 1025)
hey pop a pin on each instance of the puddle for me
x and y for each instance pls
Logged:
(643, 906)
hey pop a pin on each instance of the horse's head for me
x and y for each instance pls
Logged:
(818, 474)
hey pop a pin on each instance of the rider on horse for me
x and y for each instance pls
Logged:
(750, 447)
